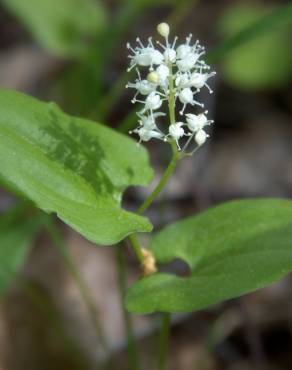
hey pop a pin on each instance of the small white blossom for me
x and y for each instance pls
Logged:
(169, 51)
(148, 122)
(176, 132)
(183, 51)
(199, 80)
(146, 134)
(162, 73)
(169, 55)
(197, 122)
(186, 97)
(174, 74)
(201, 137)
(152, 102)
(156, 58)
(188, 63)
(145, 56)
(182, 80)
(143, 87)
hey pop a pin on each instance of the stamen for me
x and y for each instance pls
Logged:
(183, 109)
(131, 67)
(174, 42)
(150, 42)
(209, 88)
(140, 43)
(138, 73)
(130, 48)
(159, 43)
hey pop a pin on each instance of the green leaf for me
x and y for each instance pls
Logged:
(257, 62)
(60, 26)
(71, 166)
(232, 249)
(17, 230)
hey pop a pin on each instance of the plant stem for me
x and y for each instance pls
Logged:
(136, 247)
(131, 344)
(164, 341)
(171, 99)
(80, 283)
(163, 181)
(175, 154)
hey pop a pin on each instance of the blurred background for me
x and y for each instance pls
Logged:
(60, 309)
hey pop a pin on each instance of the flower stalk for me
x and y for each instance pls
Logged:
(175, 74)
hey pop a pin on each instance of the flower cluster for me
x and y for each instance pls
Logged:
(173, 74)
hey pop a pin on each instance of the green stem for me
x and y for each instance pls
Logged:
(80, 283)
(163, 181)
(164, 341)
(171, 99)
(122, 284)
(149, 200)
(175, 154)
(136, 247)
(167, 173)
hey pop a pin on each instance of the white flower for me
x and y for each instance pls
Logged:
(169, 55)
(182, 80)
(179, 74)
(186, 97)
(156, 58)
(176, 131)
(188, 62)
(141, 57)
(145, 56)
(197, 122)
(199, 80)
(188, 56)
(162, 73)
(152, 102)
(183, 50)
(148, 122)
(146, 134)
(169, 50)
(201, 137)
(143, 87)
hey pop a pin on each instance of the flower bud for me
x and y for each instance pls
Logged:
(153, 77)
(163, 29)
(201, 137)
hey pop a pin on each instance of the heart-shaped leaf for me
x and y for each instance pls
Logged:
(71, 166)
(231, 249)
